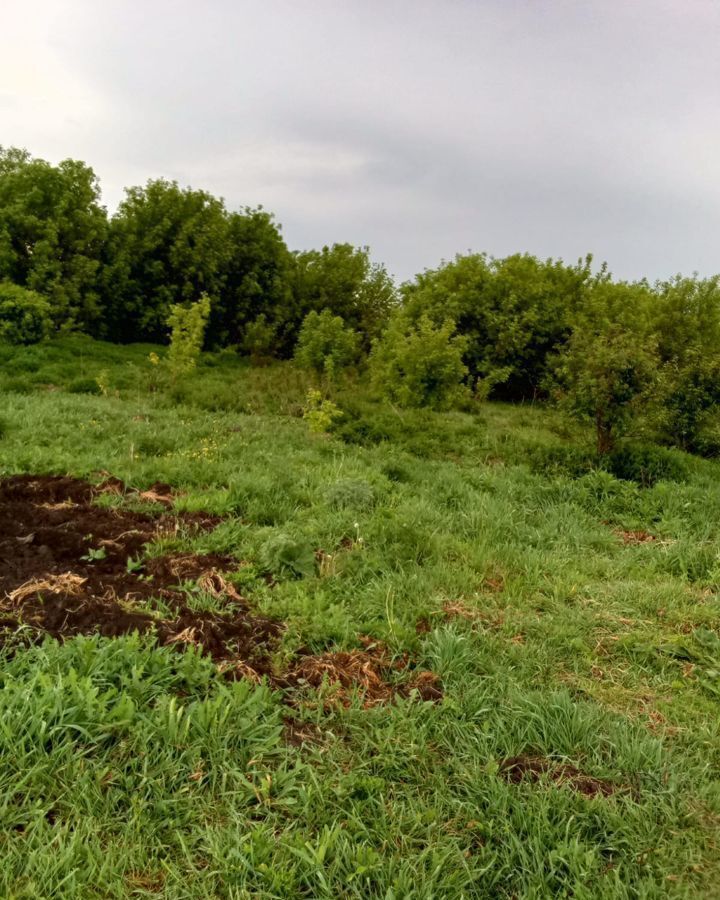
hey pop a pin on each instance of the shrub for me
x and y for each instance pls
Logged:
(648, 464)
(187, 333)
(320, 413)
(688, 392)
(282, 554)
(513, 311)
(84, 386)
(325, 344)
(419, 364)
(260, 339)
(609, 366)
(24, 315)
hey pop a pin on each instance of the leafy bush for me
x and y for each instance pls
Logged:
(358, 426)
(344, 280)
(513, 312)
(325, 344)
(24, 315)
(686, 316)
(283, 554)
(260, 339)
(609, 366)
(187, 332)
(419, 364)
(648, 464)
(320, 413)
(84, 386)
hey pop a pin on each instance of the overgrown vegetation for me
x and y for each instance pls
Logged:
(404, 592)
(569, 614)
(518, 328)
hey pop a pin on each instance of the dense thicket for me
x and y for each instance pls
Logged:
(52, 234)
(513, 312)
(118, 277)
(622, 356)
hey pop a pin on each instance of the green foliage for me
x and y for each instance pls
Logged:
(187, 333)
(419, 364)
(254, 307)
(687, 320)
(647, 464)
(24, 315)
(52, 233)
(283, 554)
(167, 245)
(325, 344)
(512, 312)
(320, 412)
(260, 339)
(606, 371)
(344, 280)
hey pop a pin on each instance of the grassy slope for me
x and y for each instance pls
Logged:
(126, 770)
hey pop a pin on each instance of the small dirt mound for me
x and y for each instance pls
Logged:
(517, 769)
(69, 567)
(636, 537)
(368, 671)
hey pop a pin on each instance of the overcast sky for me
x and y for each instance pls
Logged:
(420, 127)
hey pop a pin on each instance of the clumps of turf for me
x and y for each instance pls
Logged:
(534, 769)
(370, 672)
(70, 567)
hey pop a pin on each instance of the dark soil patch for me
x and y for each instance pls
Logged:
(372, 672)
(69, 567)
(517, 769)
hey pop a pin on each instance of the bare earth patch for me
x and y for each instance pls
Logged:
(517, 769)
(68, 567)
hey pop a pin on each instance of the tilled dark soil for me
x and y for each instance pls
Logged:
(70, 567)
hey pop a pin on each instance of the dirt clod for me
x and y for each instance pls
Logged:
(517, 769)
(368, 671)
(636, 537)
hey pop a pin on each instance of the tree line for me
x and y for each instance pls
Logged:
(515, 328)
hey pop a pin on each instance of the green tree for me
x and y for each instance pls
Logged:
(326, 344)
(256, 283)
(24, 315)
(419, 363)
(187, 332)
(606, 371)
(52, 233)
(260, 339)
(344, 280)
(167, 245)
(513, 311)
(687, 320)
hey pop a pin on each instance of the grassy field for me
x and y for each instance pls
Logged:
(571, 617)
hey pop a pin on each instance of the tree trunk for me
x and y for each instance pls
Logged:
(604, 435)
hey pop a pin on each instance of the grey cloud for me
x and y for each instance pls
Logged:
(420, 127)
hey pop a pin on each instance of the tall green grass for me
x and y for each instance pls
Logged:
(129, 770)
